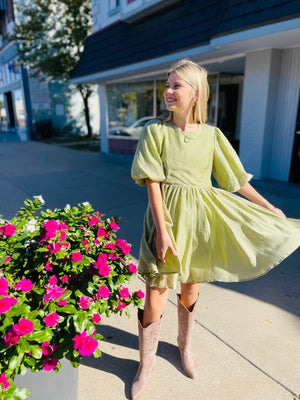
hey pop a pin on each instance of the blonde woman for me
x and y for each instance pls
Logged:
(194, 232)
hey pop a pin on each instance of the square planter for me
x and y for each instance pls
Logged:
(50, 385)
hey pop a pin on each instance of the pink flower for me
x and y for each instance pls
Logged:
(13, 301)
(8, 229)
(120, 305)
(50, 363)
(3, 381)
(7, 260)
(47, 349)
(99, 214)
(96, 241)
(102, 258)
(94, 221)
(63, 235)
(84, 302)
(104, 270)
(110, 246)
(89, 249)
(11, 338)
(113, 256)
(24, 284)
(51, 225)
(23, 327)
(102, 232)
(62, 303)
(85, 345)
(62, 225)
(54, 247)
(53, 292)
(85, 242)
(64, 278)
(96, 318)
(140, 294)
(51, 319)
(103, 292)
(5, 304)
(48, 266)
(124, 292)
(114, 226)
(53, 280)
(76, 256)
(132, 268)
(125, 247)
(3, 287)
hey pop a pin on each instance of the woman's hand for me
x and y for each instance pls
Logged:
(251, 194)
(163, 243)
(278, 212)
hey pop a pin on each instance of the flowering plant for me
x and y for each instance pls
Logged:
(59, 272)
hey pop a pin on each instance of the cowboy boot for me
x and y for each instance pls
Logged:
(148, 342)
(185, 327)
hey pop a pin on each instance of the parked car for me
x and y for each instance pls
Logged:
(133, 130)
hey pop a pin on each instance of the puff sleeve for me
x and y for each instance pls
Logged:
(147, 162)
(227, 167)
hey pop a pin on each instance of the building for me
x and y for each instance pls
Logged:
(250, 48)
(26, 101)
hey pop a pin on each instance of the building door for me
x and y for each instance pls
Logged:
(11, 112)
(227, 112)
(295, 164)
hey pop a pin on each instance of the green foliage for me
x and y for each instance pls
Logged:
(50, 35)
(59, 272)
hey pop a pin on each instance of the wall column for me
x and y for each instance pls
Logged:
(286, 114)
(262, 74)
(104, 123)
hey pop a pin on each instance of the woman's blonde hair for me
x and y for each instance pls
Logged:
(195, 76)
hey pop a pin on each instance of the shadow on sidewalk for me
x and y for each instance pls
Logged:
(124, 368)
(280, 286)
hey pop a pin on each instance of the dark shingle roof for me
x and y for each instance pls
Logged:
(186, 24)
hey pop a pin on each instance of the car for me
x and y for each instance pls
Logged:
(133, 130)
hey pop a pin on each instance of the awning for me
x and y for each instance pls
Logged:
(183, 25)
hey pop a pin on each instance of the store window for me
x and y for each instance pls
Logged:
(19, 108)
(3, 115)
(130, 106)
(14, 70)
(3, 76)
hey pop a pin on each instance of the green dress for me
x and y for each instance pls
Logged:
(218, 235)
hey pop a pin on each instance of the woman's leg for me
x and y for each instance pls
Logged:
(155, 302)
(189, 294)
(186, 316)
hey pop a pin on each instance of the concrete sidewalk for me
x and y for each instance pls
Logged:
(247, 335)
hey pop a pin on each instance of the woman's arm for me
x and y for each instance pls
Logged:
(163, 240)
(251, 194)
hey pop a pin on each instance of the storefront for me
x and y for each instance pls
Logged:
(253, 73)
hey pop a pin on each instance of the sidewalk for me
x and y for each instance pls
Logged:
(247, 335)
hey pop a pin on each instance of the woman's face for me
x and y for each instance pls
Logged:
(179, 95)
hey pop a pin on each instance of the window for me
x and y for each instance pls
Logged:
(114, 4)
(19, 108)
(130, 106)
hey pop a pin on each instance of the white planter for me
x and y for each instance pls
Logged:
(49, 385)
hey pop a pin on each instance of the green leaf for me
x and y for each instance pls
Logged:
(16, 361)
(17, 310)
(40, 336)
(97, 353)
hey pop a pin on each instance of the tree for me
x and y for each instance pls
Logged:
(50, 36)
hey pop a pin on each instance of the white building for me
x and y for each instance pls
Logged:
(252, 53)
